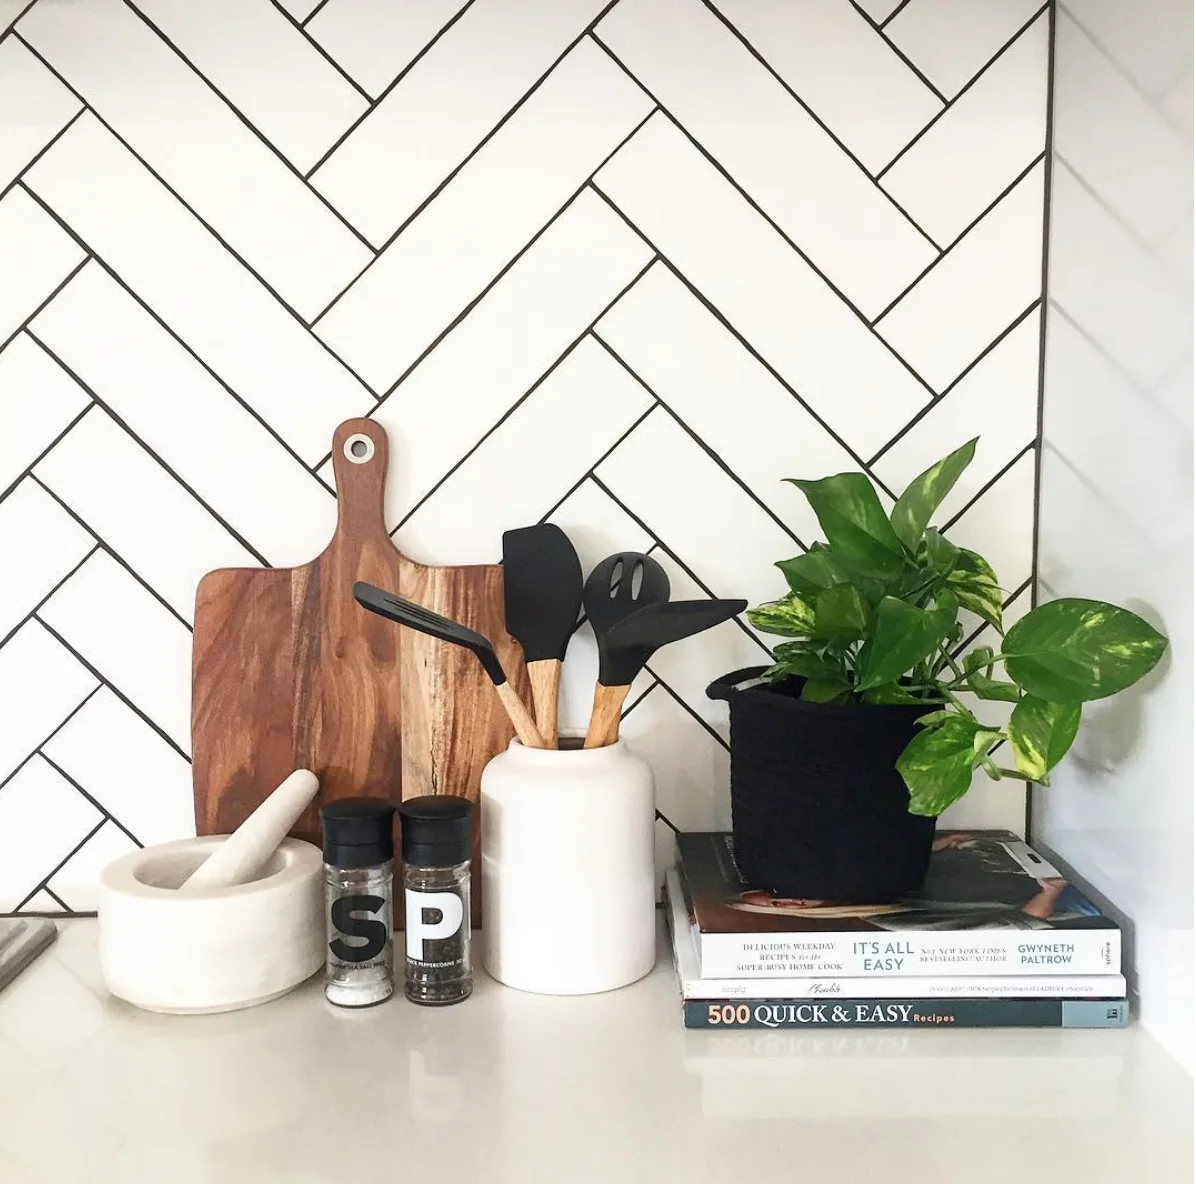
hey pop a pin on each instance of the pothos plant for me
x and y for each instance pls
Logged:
(873, 616)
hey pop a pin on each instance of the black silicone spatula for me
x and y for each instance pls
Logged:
(625, 649)
(542, 593)
(620, 585)
(415, 616)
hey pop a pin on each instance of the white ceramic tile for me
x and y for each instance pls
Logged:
(690, 360)
(999, 525)
(690, 766)
(29, 846)
(147, 517)
(836, 63)
(219, 167)
(981, 144)
(265, 68)
(46, 543)
(127, 767)
(597, 526)
(41, 683)
(226, 455)
(728, 541)
(764, 289)
(1007, 379)
(301, 10)
(1140, 321)
(38, 255)
(700, 72)
(77, 882)
(398, 154)
(41, 902)
(38, 401)
(217, 307)
(485, 216)
(35, 106)
(1131, 155)
(880, 10)
(139, 647)
(951, 40)
(535, 312)
(976, 291)
(543, 441)
(373, 41)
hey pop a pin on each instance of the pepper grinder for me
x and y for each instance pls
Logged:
(436, 833)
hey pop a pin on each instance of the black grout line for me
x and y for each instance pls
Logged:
(58, 728)
(527, 394)
(313, 12)
(111, 552)
(1048, 188)
(24, 325)
(743, 341)
(236, 534)
(590, 471)
(111, 686)
(131, 5)
(660, 682)
(759, 57)
(965, 88)
(38, 606)
(900, 53)
(469, 307)
(63, 862)
(44, 452)
(670, 553)
(955, 242)
(896, 12)
(298, 25)
(461, 165)
(315, 168)
(112, 275)
(701, 443)
(66, 127)
(988, 349)
(190, 209)
(66, 907)
(91, 798)
(988, 485)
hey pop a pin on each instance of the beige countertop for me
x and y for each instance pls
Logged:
(519, 1088)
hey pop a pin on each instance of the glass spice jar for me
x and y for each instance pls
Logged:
(359, 891)
(436, 832)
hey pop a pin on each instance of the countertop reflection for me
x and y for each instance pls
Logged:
(522, 1088)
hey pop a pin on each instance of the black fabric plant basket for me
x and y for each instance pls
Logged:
(818, 811)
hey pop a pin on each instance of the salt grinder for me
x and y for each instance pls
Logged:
(436, 841)
(359, 893)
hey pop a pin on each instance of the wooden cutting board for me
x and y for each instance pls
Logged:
(288, 671)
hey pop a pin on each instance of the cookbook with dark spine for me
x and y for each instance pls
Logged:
(991, 905)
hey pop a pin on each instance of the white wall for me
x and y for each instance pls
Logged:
(626, 272)
(1116, 494)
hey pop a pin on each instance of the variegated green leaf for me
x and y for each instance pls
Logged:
(901, 637)
(826, 690)
(810, 573)
(938, 763)
(791, 616)
(975, 584)
(1040, 733)
(1073, 651)
(841, 614)
(924, 494)
(941, 553)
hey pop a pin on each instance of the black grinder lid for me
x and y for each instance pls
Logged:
(436, 830)
(358, 832)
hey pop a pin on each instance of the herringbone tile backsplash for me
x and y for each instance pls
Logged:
(624, 266)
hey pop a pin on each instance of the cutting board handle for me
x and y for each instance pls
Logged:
(359, 459)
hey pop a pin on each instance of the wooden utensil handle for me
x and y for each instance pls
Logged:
(525, 726)
(604, 718)
(546, 686)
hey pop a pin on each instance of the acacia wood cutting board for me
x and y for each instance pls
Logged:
(289, 672)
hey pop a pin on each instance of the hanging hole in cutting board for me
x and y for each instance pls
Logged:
(359, 449)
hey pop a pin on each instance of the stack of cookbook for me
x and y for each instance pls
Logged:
(995, 938)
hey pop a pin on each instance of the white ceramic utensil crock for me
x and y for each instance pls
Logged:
(568, 878)
(212, 949)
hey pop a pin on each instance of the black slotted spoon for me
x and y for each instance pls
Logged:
(621, 585)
